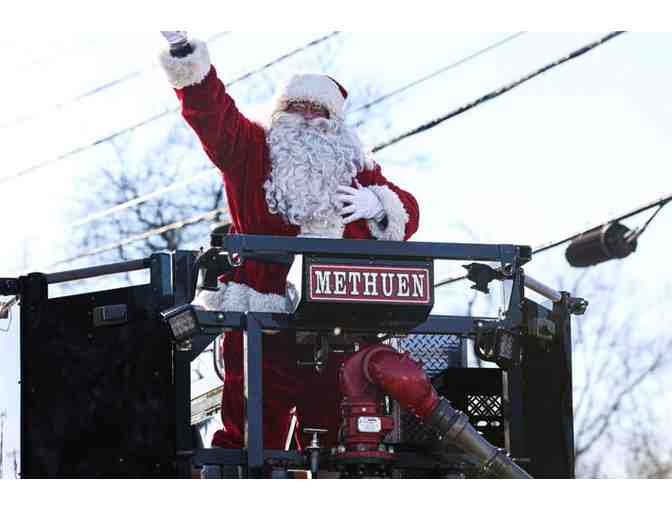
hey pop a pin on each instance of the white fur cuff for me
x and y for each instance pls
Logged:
(397, 217)
(185, 71)
(238, 297)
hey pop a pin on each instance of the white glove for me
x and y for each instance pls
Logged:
(363, 204)
(176, 39)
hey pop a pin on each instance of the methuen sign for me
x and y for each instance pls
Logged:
(379, 284)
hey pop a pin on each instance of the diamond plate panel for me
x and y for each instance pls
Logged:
(435, 352)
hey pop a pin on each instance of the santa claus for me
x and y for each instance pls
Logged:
(305, 174)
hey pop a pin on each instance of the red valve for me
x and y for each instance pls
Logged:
(365, 379)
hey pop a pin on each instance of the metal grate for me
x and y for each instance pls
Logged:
(435, 352)
(484, 406)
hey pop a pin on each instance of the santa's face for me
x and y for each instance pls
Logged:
(310, 158)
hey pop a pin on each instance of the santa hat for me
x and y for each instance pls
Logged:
(315, 88)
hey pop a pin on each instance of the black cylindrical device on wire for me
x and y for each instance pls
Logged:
(610, 241)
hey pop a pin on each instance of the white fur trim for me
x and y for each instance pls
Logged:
(327, 230)
(397, 217)
(238, 297)
(316, 88)
(185, 71)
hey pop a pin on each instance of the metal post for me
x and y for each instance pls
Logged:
(562, 310)
(34, 297)
(513, 412)
(183, 437)
(171, 284)
(254, 417)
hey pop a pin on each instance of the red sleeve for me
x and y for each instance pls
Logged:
(227, 136)
(225, 133)
(402, 214)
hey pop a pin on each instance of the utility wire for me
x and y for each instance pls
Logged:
(498, 92)
(635, 235)
(92, 92)
(208, 173)
(420, 129)
(436, 73)
(158, 116)
(185, 182)
(138, 237)
(660, 203)
(130, 203)
(208, 215)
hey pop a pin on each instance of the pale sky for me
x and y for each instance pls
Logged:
(567, 150)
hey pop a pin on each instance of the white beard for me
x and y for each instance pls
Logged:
(309, 160)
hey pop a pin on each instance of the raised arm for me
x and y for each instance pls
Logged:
(226, 134)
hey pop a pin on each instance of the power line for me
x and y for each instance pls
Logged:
(98, 89)
(660, 203)
(436, 73)
(496, 93)
(130, 203)
(138, 237)
(181, 184)
(425, 127)
(160, 115)
(637, 233)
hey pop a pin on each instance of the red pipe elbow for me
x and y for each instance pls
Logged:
(380, 367)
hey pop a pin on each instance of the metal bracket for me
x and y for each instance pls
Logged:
(577, 306)
(482, 275)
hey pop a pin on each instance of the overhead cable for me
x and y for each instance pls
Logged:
(497, 93)
(660, 203)
(138, 237)
(130, 203)
(420, 129)
(436, 73)
(158, 116)
(180, 184)
(92, 92)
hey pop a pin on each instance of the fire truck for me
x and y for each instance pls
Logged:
(106, 387)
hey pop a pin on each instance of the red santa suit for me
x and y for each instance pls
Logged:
(239, 148)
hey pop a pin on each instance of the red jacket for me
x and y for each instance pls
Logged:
(238, 148)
